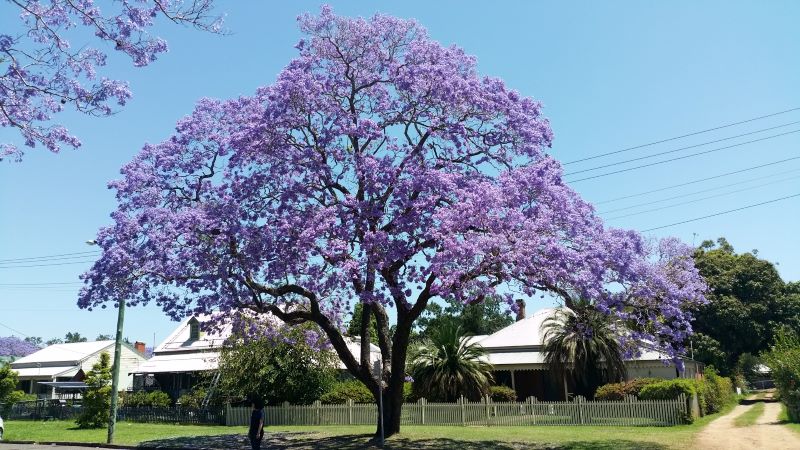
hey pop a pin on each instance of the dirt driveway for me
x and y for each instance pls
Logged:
(767, 433)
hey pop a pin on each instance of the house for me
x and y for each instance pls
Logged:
(516, 354)
(188, 353)
(63, 365)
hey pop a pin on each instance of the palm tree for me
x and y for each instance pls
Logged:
(582, 344)
(449, 366)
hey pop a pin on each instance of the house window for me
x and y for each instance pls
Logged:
(194, 330)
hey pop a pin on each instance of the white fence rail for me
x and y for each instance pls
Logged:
(628, 412)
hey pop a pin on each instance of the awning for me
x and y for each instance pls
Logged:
(179, 363)
(49, 372)
(65, 385)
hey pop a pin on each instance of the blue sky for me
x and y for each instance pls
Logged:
(611, 76)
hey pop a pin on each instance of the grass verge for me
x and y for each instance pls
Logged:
(353, 437)
(750, 416)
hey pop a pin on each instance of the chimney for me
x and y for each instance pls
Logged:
(139, 346)
(520, 309)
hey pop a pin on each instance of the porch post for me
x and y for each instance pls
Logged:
(513, 381)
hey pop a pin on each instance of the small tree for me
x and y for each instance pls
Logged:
(97, 400)
(285, 367)
(449, 366)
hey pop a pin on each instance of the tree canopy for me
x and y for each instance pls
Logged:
(379, 167)
(41, 73)
(748, 302)
(473, 319)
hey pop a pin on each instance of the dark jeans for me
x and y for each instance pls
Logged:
(255, 442)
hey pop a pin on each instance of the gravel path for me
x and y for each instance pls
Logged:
(767, 433)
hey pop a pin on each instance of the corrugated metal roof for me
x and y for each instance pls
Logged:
(522, 333)
(68, 353)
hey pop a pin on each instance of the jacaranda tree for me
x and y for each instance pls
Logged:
(379, 168)
(41, 74)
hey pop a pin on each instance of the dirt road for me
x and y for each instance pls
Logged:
(767, 433)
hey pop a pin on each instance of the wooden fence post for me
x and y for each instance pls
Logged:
(486, 409)
(463, 411)
(579, 402)
(318, 412)
(349, 411)
(422, 403)
(532, 401)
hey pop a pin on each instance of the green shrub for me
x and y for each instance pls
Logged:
(143, 399)
(717, 390)
(669, 389)
(192, 399)
(343, 391)
(618, 391)
(784, 361)
(610, 391)
(408, 392)
(502, 394)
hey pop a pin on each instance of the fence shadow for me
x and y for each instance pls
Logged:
(304, 440)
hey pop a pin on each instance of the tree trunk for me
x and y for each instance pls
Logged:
(392, 409)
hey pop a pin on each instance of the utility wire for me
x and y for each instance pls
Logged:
(40, 284)
(700, 180)
(681, 149)
(721, 213)
(682, 157)
(674, 205)
(48, 257)
(680, 137)
(695, 192)
(48, 265)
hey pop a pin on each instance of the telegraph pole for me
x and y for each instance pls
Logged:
(112, 417)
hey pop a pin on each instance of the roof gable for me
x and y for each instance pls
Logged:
(71, 353)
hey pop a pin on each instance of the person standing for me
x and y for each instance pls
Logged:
(256, 432)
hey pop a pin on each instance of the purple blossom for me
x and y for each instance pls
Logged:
(40, 75)
(16, 347)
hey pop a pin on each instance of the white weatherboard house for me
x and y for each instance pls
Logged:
(59, 365)
(186, 354)
(516, 354)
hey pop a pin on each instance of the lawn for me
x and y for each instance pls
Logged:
(352, 437)
(750, 416)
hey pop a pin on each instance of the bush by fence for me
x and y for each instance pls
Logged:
(630, 412)
(618, 391)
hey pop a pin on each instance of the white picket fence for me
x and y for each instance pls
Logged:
(628, 412)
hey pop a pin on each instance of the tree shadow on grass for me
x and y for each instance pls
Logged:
(305, 440)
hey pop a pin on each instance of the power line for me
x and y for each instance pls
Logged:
(15, 331)
(681, 149)
(721, 213)
(699, 180)
(48, 257)
(696, 200)
(697, 192)
(747, 169)
(680, 137)
(682, 157)
(48, 265)
(40, 284)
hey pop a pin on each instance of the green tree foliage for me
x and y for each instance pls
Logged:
(618, 391)
(8, 383)
(354, 326)
(474, 319)
(448, 366)
(279, 368)
(343, 391)
(193, 399)
(748, 301)
(74, 336)
(502, 394)
(97, 399)
(582, 345)
(104, 337)
(144, 399)
(783, 358)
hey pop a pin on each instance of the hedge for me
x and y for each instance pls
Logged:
(713, 392)
(618, 391)
(502, 394)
